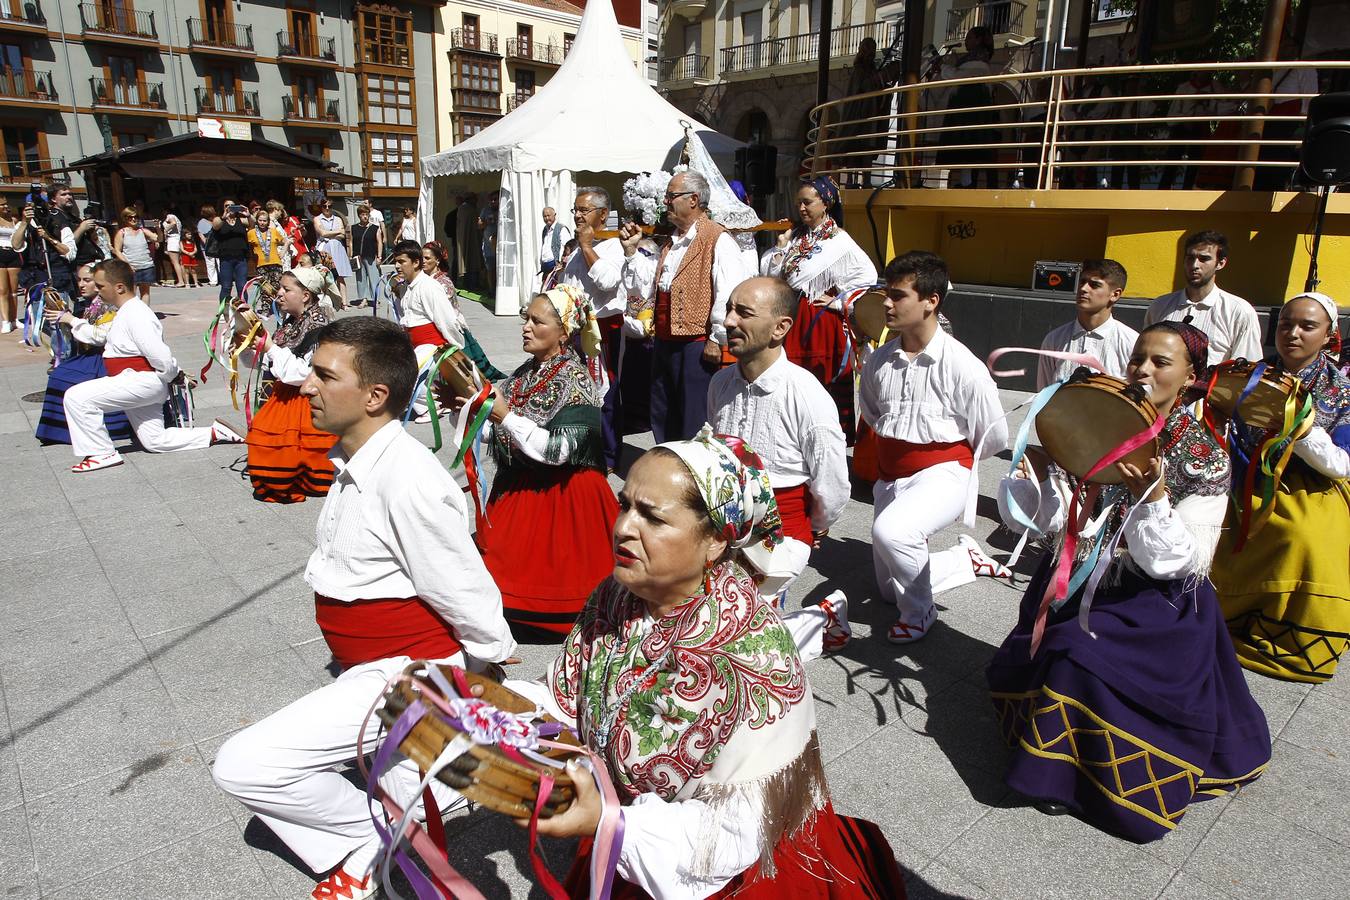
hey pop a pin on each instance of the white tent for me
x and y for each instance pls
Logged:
(596, 114)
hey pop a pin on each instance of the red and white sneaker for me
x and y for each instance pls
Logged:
(837, 631)
(94, 463)
(342, 886)
(982, 563)
(223, 432)
(903, 632)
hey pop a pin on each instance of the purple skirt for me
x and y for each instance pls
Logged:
(1129, 728)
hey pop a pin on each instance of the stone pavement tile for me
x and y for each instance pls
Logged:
(907, 785)
(1337, 690)
(255, 558)
(886, 675)
(842, 726)
(1306, 787)
(237, 693)
(1187, 887)
(199, 650)
(151, 573)
(52, 571)
(212, 864)
(71, 626)
(15, 422)
(989, 617)
(209, 599)
(122, 815)
(116, 491)
(37, 532)
(1175, 848)
(119, 538)
(1318, 725)
(317, 660)
(1250, 853)
(18, 867)
(293, 618)
(11, 787)
(1016, 851)
(1278, 699)
(936, 881)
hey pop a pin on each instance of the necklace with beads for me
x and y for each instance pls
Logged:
(518, 396)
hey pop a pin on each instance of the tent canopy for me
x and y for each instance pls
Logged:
(596, 114)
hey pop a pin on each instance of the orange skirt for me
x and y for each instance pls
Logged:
(547, 541)
(288, 456)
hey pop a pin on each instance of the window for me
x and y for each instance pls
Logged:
(11, 57)
(524, 39)
(470, 24)
(389, 100)
(23, 151)
(386, 38)
(303, 37)
(471, 125)
(524, 84)
(313, 148)
(124, 86)
(477, 75)
(218, 25)
(567, 43)
(124, 139)
(391, 160)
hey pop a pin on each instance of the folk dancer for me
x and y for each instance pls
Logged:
(596, 269)
(396, 577)
(429, 315)
(88, 323)
(720, 798)
(1095, 331)
(820, 261)
(783, 413)
(546, 535)
(930, 402)
(436, 263)
(1228, 321)
(140, 367)
(287, 456)
(1149, 664)
(1286, 593)
(689, 284)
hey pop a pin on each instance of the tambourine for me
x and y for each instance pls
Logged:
(1265, 406)
(866, 313)
(503, 780)
(1091, 415)
(459, 373)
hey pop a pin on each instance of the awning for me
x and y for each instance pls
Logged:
(231, 170)
(281, 170)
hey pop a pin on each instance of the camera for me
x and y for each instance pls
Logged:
(237, 209)
(94, 210)
(42, 210)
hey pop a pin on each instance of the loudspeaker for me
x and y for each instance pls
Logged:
(757, 168)
(1324, 158)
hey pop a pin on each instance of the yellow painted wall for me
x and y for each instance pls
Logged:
(996, 237)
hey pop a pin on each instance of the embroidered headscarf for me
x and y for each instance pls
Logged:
(577, 315)
(312, 279)
(1196, 341)
(829, 195)
(292, 331)
(733, 482)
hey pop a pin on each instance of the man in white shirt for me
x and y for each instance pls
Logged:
(930, 402)
(396, 578)
(1095, 332)
(429, 315)
(552, 241)
(1230, 322)
(596, 268)
(689, 285)
(784, 413)
(140, 368)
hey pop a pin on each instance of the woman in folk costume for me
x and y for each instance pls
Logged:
(1127, 711)
(436, 264)
(546, 538)
(1286, 593)
(690, 690)
(287, 456)
(88, 324)
(819, 260)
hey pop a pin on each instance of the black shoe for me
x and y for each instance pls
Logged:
(1051, 808)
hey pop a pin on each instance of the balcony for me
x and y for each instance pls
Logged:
(529, 51)
(489, 102)
(310, 111)
(26, 87)
(515, 100)
(135, 96)
(309, 49)
(243, 104)
(1002, 17)
(473, 39)
(690, 67)
(220, 38)
(23, 171)
(802, 49)
(121, 26)
(22, 15)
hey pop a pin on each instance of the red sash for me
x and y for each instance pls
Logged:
(367, 630)
(661, 321)
(901, 459)
(794, 507)
(420, 335)
(116, 365)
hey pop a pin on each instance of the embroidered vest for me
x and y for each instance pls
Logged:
(689, 303)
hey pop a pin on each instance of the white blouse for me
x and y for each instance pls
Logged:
(840, 265)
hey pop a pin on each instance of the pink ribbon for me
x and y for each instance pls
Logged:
(1083, 359)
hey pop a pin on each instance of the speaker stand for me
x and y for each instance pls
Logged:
(1323, 194)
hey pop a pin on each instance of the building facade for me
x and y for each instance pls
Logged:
(343, 80)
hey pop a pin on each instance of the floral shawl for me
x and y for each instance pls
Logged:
(568, 406)
(292, 331)
(709, 702)
(809, 245)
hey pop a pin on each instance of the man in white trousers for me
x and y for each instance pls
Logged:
(396, 577)
(786, 416)
(140, 368)
(929, 400)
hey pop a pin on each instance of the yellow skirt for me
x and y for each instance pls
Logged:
(1286, 595)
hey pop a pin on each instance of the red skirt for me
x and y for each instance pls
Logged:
(819, 344)
(862, 866)
(547, 542)
(288, 456)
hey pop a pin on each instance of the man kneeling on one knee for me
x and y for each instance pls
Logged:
(140, 368)
(396, 577)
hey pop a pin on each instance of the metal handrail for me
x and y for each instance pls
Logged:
(27, 84)
(802, 48)
(20, 170)
(27, 12)
(682, 68)
(473, 39)
(226, 35)
(308, 109)
(306, 46)
(136, 94)
(236, 102)
(519, 48)
(100, 19)
(1038, 130)
(999, 16)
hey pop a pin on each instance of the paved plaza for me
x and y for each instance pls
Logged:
(155, 609)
